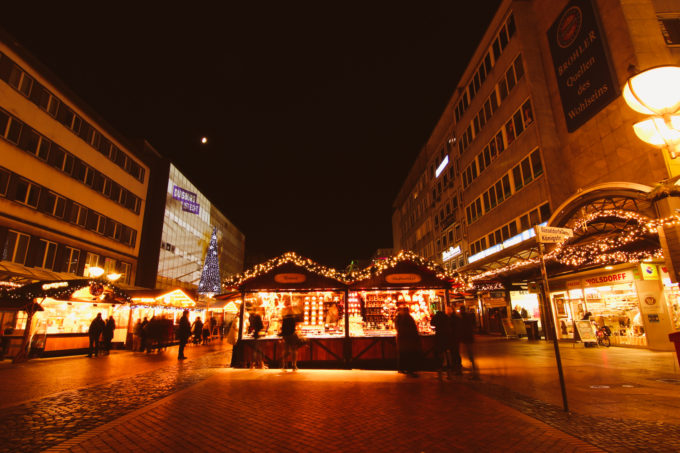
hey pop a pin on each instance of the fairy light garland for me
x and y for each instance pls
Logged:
(603, 251)
(35, 290)
(288, 257)
(392, 261)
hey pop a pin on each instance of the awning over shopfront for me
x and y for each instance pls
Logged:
(18, 273)
(176, 298)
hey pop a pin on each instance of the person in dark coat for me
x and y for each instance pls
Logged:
(468, 338)
(183, 334)
(255, 326)
(144, 336)
(442, 342)
(197, 330)
(291, 341)
(408, 342)
(456, 330)
(96, 328)
(109, 329)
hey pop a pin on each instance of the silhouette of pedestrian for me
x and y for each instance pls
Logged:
(456, 331)
(143, 335)
(95, 331)
(468, 338)
(442, 342)
(291, 341)
(109, 329)
(183, 334)
(408, 342)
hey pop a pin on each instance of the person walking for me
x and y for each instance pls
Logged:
(443, 340)
(468, 338)
(107, 336)
(183, 334)
(94, 332)
(408, 342)
(143, 336)
(197, 330)
(456, 331)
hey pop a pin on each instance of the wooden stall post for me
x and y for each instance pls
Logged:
(347, 349)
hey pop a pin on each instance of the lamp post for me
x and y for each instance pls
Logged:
(655, 92)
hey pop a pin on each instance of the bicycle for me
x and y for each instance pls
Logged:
(603, 334)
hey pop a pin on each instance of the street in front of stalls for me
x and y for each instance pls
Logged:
(621, 399)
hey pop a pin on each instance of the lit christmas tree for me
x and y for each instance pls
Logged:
(210, 276)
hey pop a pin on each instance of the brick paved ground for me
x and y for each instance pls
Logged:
(244, 410)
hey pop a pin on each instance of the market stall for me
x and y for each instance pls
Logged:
(375, 294)
(316, 295)
(167, 304)
(67, 309)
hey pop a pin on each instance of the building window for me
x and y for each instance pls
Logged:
(16, 247)
(55, 205)
(4, 182)
(20, 80)
(78, 214)
(27, 193)
(124, 269)
(72, 260)
(46, 253)
(91, 260)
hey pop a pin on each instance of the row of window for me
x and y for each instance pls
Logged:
(28, 139)
(499, 93)
(506, 135)
(522, 223)
(30, 251)
(28, 193)
(527, 170)
(16, 77)
(492, 55)
(447, 213)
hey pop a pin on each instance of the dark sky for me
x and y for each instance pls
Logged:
(314, 111)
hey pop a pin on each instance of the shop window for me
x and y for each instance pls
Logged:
(16, 247)
(47, 251)
(27, 193)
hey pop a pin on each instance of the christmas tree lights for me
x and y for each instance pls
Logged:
(210, 276)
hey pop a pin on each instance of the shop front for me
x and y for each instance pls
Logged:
(631, 301)
(67, 309)
(317, 296)
(405, 280)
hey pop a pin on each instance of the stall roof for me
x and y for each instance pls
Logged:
(180, 298)
(97, 290)
(404, 270)
(288, 272)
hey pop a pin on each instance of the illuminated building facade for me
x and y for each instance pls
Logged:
(180, 225)
(537, 132)
(72, 192)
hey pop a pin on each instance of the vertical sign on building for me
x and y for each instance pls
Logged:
(584, 75)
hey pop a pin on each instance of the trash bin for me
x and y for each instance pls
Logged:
(675, 338)
(532, 330)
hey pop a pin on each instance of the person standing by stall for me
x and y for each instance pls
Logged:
(107, 335)
(456, 330)
(183, 334)
(443, 340)
(95, 331)
(255, 326)
(408, 342)
(197, 330)
(468, 338)
(291, 342)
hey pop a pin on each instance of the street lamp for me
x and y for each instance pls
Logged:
(656, 92)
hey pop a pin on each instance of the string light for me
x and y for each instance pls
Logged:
(392, 261)
(604, 251)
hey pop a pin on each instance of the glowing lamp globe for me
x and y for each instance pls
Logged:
(655, 91)
(658, 131)
(95, 272)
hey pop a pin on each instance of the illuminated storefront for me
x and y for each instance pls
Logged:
(634, 302)
(68, 308)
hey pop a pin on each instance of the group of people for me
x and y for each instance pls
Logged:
(100, 334)
(155, 333)
(450, 331)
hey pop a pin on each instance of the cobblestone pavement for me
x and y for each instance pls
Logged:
(326, 411)
(44, 422)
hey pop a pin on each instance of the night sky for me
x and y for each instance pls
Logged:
(314, 111)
